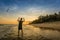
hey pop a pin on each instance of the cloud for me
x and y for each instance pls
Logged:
(35, 11)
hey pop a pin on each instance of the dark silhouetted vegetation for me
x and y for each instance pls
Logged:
(48, 18)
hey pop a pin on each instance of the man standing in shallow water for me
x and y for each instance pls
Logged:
(20, 20)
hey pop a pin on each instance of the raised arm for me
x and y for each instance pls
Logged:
(18, 19)
(23, 19)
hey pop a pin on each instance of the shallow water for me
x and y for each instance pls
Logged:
(29, 32)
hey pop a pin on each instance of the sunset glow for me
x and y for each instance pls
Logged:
(10, 10)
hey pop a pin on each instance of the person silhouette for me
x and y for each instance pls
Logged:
(20, 20)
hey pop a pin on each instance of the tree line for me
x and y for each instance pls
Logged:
(48, 18)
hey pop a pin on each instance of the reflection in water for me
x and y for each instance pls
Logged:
(30, 32)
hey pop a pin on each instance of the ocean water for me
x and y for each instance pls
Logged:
(29, 33)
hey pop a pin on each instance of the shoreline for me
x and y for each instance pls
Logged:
(49, 26)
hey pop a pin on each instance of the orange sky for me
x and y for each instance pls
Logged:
(13, 20)
(10, 21)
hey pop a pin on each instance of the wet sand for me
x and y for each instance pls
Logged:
(30, 32)
(49, 26)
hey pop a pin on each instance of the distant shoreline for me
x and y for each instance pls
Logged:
(49, 25)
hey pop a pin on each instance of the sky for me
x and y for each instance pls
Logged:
(10, 10)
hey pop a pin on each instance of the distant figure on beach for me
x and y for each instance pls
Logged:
(20, 20)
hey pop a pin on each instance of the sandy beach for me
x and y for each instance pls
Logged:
(50, 25)
(10, 32)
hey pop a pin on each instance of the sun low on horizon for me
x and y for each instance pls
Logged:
(10, 10)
